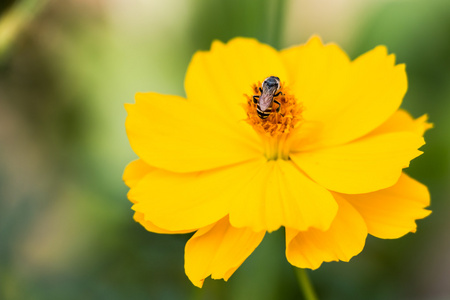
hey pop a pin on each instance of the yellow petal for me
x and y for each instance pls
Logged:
(343, 100)
(219, 78)
(281, 195)
(363, 166)
(135, 171)
(139, 217)
(343, 240)
(171, 133)
(401, 120)
(392, 212)
(306, 137)
(186, 201)
(218, 250)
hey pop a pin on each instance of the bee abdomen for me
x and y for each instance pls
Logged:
(263, 114)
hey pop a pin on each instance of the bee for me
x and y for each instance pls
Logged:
(270, 90)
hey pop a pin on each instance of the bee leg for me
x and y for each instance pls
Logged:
(260, 89)
(279, 105)
(277, 94)
(255, 99)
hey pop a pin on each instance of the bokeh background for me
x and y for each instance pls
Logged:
(67, 68)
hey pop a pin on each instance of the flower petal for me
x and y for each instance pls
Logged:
(281, 195)
(363, 166)
(135, 171)
(344, 100)
(140, 218)
(401, 120)
(343, 240)
(218, 250)
(392, 212)
(186, 201)
(171, 133)
(219, 78)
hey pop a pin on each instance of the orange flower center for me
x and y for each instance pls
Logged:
(278, 121)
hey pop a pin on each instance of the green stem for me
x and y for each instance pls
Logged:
(279, 16)
(305, 284)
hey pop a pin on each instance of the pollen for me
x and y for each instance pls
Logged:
(283, 118)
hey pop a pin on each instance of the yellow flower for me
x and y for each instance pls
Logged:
(326, 163)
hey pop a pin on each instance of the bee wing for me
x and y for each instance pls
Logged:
(265, 101)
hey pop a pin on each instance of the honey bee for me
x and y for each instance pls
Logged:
(270, 87)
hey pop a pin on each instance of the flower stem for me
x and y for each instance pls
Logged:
(305, 284)
(280, 11)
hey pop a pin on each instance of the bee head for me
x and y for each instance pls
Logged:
(271, 83)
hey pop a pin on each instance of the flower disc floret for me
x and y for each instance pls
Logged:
(279, 122)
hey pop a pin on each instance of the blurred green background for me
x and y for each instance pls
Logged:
(67, 68)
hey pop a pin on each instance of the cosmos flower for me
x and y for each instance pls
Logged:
(319, 151)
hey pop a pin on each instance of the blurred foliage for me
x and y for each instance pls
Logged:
(14, 19)
(66, 228)
(5, 5)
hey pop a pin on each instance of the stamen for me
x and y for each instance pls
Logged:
(275, 129)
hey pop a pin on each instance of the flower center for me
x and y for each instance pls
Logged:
(274, 114)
